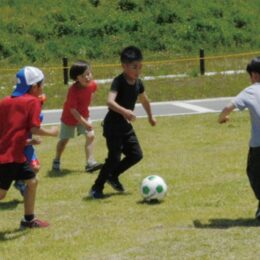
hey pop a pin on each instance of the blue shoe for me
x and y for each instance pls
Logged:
(21, 186)
(56, 165)
(96, 194)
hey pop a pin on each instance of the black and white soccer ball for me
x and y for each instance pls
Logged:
(153, 187)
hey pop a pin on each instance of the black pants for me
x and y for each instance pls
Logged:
(126, 144)
(253, 170)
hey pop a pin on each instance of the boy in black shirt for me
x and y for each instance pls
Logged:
(118, 130)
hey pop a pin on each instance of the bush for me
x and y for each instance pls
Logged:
(99, 29)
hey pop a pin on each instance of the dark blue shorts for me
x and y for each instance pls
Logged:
(10, 172)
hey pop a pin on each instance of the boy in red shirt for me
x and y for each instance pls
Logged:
(20, 116)
(75, 115)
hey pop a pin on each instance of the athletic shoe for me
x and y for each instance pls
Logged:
(91, 167)
(21, 186)
(96, 194)
(35, 223)
(56, 165)
(115, 184)
(257, 214)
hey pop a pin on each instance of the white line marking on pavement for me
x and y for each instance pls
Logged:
(193, 107)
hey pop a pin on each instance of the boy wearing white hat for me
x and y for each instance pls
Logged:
(20, 116)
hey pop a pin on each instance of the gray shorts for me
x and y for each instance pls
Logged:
(67, 131)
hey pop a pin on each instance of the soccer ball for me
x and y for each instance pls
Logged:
(153, 187)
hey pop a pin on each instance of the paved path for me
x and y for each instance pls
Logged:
(171, 108)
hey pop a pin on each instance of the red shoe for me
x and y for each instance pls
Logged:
(35, 223)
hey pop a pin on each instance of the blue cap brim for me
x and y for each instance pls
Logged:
(20, 90)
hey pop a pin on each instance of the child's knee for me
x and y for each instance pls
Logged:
(32, 183)
(137, 157)
(90, 136)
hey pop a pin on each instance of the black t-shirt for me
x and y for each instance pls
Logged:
(126, 97)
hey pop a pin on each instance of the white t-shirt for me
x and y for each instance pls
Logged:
(250, 98)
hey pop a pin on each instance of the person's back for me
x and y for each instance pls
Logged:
(16, 120)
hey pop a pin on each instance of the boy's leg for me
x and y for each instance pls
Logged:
(132, 151)
(29, 220)
(59, 150)
(34, 163)
(253, 169)
(133, 154)
(66, 132)
(91, 164)
(29, 196)
(89, 146)
(114, 145)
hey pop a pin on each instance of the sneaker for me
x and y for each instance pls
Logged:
(96, 194)
(35, 223)
(56, 165)
(21, 186)
(115, 184)
(257, 214)
(91, 167)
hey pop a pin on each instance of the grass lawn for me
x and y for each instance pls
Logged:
(208, 212)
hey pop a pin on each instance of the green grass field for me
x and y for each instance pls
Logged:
(208, 212)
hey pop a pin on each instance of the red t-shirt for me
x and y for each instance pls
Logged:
(78, 98)
(17, 116)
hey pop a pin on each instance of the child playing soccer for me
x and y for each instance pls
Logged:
(20, 116)
(75, 115)
(30, 154)
(118, 129)
(250, 98)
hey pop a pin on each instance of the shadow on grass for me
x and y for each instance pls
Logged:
(107, 195)
(8, 205)
(224, 223)
(151, 202)
(58, 174)
(12, 234)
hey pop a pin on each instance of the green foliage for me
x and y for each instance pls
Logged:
(45, 31)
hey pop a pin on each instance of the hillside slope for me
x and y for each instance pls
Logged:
(45, 31)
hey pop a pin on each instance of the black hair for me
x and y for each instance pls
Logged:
(78, 68)
(253, 66)
(130, 54)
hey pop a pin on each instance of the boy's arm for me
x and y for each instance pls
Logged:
(224, 115)
(33, 141)
(147, 107)
(53, 131)
(113, 105)
(81, 119)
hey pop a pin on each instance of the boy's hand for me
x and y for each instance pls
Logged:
(34, 141)
(152, 121)
(54, 131)
(129, 115)
(89, 127)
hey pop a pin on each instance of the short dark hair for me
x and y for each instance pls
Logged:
(253, 66)
(78, 68)
(130, 54)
